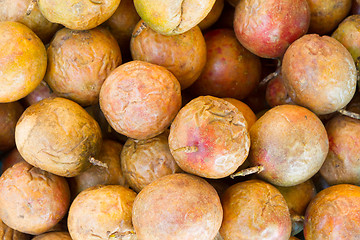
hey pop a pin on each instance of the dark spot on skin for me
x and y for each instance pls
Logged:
(21, 216)
(337, 165)
(305, 117)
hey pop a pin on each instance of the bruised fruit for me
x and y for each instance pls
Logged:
(53, 236)
(177, 206)
(334, 214)
(107, 172)
(249, 115)
(230, 70)
(342, 162)
(319, 73)
(213, 15)
(173, 17)
(32, 200)
(168, 51)
(79, 62)
(209, 137)
(108, 213)
(22, 61)
(254, 210)
(267, 27)
(290, 142)
(17, 11)
(58, 136)
(143, 161)
(327, 14)
(9, 115)
(348, 33)
(140, 99)
(78, 14)
(7, 233)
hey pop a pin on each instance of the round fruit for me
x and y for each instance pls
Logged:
(173, 17)
(22, 61)
(254, 210)
(7, 233)
(177, 206)
(78, 14)
(267, 27)
(58, 136)
(79, 62)
(140, 99)
(143, 161)
(249, 115)
(290, 142)
(212, 16)
(41, 92)
(102, 212)
(319, 73)
(32, 200)
(209, 137)
(168, 51)
(53, 236)
(11, 159)
(333, 214)
(276, 93)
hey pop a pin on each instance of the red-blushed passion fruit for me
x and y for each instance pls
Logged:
(22, 61)
(209, 137)
(9, 115)
(276, 93)
(230, 70)
(79, 62)
(140, 99)
(212, 16)
(78, 14)
(17, 11)
(107, 213)
(254, 209)
(348, 33)
(249, 115)
(334, 214)
(290, 142)
(168, 51)
(173, 17)
(177, 206)
(327, 14)
(58, 136)
(106, 172)
(342, 162)
(143, 161)
(7, 233)
(32, 200)
(319, 73)
(53, 236)
(267, 27)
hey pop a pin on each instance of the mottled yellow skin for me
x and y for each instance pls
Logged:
(78, 14)
(23, 61)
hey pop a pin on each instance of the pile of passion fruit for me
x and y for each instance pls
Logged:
(179, 120)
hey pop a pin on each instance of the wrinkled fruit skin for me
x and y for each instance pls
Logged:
(23, 61)
(327, 14)
(9, 115)
(143, 161)
(348, 33)
(37, 203)
(290, 142)
(78, 14)
(15, 10)
(108, 213)
(254, 210)
(341, 164)
(173, 17)
(79, 62)
(267, 27)
(249, 115)
(140, 99)
(168, 51)
(209, 138)
(334, 214)
(53, 236)
(162, 210)
(230, 70)
(111, 174)
(319, 73)
(58, 136)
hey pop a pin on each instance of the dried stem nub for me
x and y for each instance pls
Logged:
(96, 162)
(247, 171)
